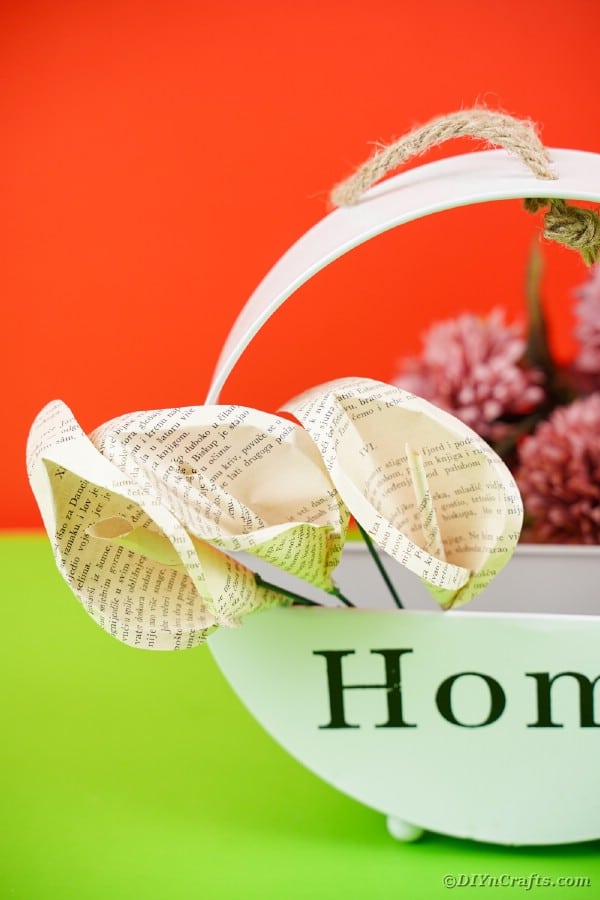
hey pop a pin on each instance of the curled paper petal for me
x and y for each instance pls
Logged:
(424, 486)
(238, 478)
(233, 589)
(132, 564)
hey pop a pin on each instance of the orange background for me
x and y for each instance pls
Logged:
(157, 157)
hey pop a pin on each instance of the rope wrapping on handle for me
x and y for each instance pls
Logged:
(569, 225)
(572, 226)
(518, 136)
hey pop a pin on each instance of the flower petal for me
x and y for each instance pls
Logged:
(233, 588)
(412, 474)
(239, 478)
(141, 600)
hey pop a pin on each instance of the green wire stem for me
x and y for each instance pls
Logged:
(297, 598)
(337, 593)
(377, 560)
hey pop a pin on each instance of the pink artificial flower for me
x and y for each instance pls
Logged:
(558, 475)
(472, 367)
(587, 329)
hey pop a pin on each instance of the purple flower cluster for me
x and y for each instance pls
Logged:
(475, 367)
(559, 475)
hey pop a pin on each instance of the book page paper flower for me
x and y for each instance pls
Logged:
(128, 558)
(239, 478)
(426, 488)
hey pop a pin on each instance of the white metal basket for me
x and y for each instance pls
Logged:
(481, 723)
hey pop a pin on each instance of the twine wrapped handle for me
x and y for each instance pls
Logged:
(572, 226)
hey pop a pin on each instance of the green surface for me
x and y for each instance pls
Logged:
(133, 774)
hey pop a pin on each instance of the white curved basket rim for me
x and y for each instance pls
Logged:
(445, 184)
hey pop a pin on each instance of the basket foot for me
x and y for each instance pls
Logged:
(403, 831)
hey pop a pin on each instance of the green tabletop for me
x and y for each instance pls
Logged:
(138, 774)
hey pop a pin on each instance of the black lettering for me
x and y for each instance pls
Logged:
(393, 686)
(443, 699)
(544, 702)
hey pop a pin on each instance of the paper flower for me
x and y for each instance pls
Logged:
(472, 367)
(123, 537)
(587, 329)
(424, 486)
(559, 475)
(239, 478)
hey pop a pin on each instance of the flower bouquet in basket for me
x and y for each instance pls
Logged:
(171, 526)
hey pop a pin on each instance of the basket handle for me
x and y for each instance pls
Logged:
(456, 181)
